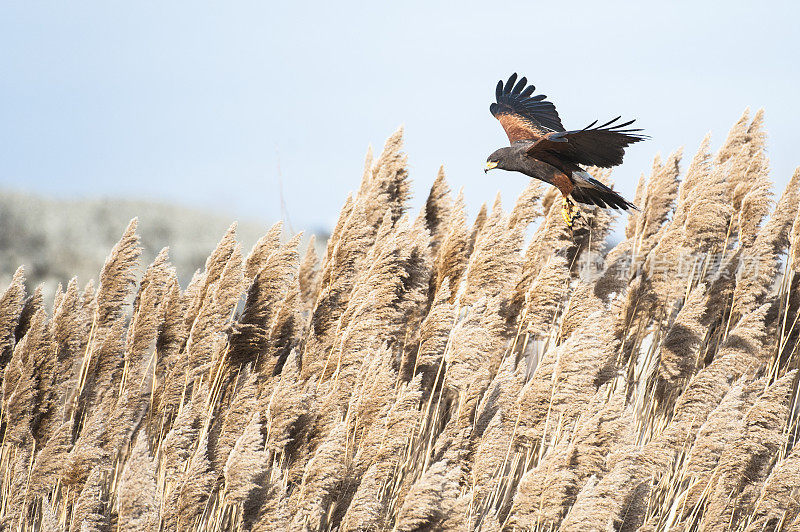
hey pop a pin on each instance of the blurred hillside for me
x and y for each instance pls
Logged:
(58, 239)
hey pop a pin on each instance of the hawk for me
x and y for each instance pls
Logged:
(541, 148)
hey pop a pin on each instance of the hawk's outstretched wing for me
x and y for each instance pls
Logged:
(602, 146)
(524, 117)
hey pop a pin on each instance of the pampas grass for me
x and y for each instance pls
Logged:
(428, 372)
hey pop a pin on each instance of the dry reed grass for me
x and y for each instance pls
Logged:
(428, 374)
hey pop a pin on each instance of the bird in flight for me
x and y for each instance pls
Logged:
(541, 148)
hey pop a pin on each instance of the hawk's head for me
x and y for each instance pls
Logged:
(502, 159)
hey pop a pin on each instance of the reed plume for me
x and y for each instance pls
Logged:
(429, 374)
(139, 501)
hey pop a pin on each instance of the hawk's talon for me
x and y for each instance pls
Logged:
(570, 212)
(567, 218)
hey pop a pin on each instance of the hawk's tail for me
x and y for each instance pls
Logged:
(590, 191)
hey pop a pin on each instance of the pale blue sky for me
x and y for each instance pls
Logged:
(199, 102)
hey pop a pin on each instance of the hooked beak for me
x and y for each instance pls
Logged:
(489, 166)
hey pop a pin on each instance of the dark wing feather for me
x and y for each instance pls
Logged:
(588, 190)
(602, 146)
(522, 115)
